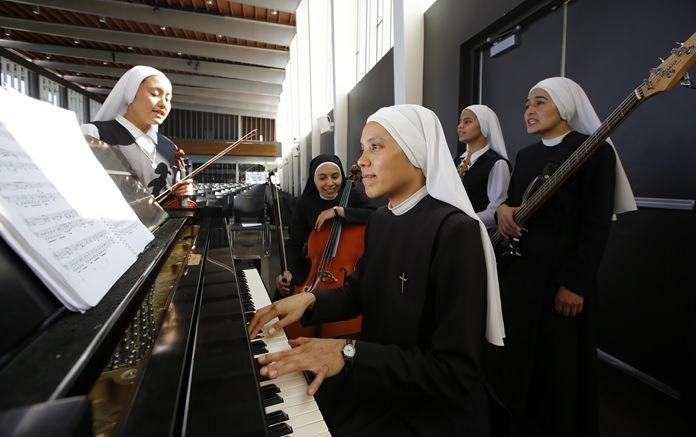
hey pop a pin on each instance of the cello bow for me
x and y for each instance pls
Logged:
(277, 216)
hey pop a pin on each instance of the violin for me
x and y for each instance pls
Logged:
(181, 164)
(334, 253)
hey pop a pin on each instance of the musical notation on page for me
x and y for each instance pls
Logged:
(59, 210)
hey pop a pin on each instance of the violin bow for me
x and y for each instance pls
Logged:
(194, 173)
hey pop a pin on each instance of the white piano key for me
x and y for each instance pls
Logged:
(302, 420)
(295, 410)
(311, 429)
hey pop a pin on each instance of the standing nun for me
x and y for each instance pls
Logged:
(427, 290)
(484, 167)
(545, 374)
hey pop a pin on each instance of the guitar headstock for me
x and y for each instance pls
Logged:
(665, 76)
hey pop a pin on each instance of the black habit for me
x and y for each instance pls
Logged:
(545, 372)
(421, 289)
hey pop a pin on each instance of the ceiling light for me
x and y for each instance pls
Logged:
(102, 19)
(210, 2)
(8, 32)
(37, 10)
(163, 27)
(130, 47)
(274, 12)
(77, 41)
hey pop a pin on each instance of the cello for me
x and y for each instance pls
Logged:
(334, 254)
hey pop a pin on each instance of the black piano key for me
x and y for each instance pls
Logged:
(277, 417)
(280, 429)
(272, 400)
(259, 347)
(270, 389)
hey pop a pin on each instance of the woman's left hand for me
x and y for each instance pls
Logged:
(327, 214)
(567, 302)
(321, 356)
(184, 189)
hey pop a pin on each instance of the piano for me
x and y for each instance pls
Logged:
(165, 353)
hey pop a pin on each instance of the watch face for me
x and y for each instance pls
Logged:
(349, 351)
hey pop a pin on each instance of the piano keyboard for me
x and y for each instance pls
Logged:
(290, 411)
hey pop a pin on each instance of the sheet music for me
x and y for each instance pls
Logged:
(59, 210)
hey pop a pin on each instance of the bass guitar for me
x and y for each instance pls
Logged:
(662, 78)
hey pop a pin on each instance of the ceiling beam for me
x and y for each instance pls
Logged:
(270, 33)
(219, 70)
(241, 86)
(228, 52)
(277, 5)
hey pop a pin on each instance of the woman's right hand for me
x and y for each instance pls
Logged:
(288, 310)
(283, 283)
(506, 221)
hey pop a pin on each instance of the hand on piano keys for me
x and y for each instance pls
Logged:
(276, 316)
(290, 410)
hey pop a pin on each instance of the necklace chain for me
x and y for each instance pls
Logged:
(151, 156)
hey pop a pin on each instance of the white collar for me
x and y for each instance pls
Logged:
(135, 131)
(409, 203)
(476, 154)
(554, 141)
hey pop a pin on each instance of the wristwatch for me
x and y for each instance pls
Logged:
(348, 353)
(335, 208)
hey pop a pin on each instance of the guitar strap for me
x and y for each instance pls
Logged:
(558, 157)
